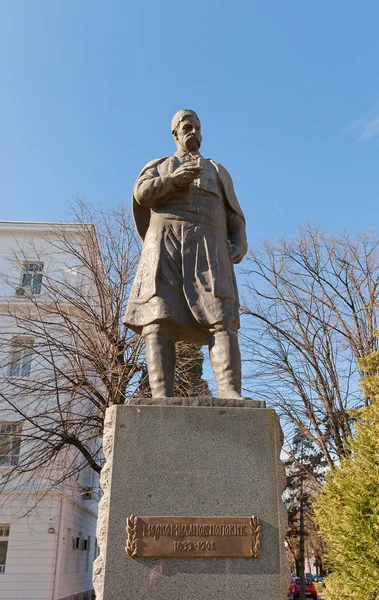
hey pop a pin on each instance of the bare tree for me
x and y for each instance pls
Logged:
(305, 473)
(189, 371)
(189, 380)
(310, 314)
(66, 355)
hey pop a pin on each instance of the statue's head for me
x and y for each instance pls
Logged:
(186, 129)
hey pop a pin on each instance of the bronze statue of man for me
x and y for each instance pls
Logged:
(193, 230)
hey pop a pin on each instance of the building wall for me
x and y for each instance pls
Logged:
(31, 557)
(75, 564)
(42, 565)
(31, 242)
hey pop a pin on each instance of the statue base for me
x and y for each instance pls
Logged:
(209, 458)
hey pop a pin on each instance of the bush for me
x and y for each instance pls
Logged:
(347, 512)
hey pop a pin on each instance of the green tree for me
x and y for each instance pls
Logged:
(347, 509)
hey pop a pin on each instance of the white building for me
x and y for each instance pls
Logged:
(47, 531)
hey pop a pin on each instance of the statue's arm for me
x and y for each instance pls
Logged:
(237, 235)
(235, 220)
(151, 188)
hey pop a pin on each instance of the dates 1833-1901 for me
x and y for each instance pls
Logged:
(179, 546)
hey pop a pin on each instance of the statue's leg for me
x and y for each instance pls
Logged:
(160, 359)
(225, 357)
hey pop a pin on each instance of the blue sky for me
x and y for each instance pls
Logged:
(287, 91)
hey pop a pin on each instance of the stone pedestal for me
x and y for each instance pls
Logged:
(183, 457)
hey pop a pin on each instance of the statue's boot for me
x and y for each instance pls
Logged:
(225, 357)
(160, 359)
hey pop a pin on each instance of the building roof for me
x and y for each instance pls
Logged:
(20, 226)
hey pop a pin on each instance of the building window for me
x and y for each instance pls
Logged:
(32, 274)
(76, 542)
(10, 442)
(87, 547)
(20, 364)
(86, 543)
(81, 543)
(4, 535)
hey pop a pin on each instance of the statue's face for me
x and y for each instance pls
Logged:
(188, 133)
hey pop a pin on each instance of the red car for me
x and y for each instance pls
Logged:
(310, 590)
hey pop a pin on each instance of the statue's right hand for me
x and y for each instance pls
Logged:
(185, 174)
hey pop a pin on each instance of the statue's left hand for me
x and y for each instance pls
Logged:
(236, 253)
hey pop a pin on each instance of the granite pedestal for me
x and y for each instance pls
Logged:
(200, 458)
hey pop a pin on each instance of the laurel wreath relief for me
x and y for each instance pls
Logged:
(255, 531)
(131, 548)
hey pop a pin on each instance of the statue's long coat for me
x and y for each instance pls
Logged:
(209, 289)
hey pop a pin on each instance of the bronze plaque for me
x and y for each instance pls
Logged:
(193, 537)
